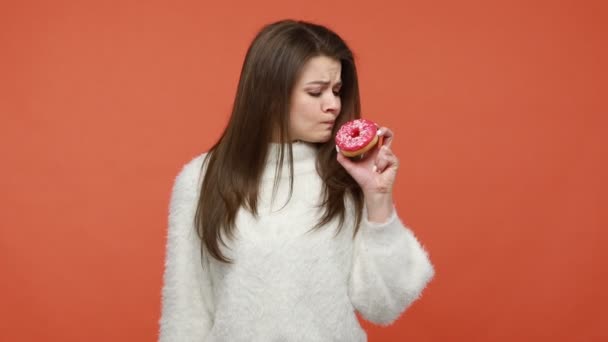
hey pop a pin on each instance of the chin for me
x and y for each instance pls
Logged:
(321, 137)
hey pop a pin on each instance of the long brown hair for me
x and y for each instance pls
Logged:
(235, 164)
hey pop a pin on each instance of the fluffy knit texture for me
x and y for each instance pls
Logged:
(286, 283)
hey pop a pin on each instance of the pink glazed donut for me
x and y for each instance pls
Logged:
(357, 137)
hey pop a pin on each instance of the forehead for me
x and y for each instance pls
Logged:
(321, 68)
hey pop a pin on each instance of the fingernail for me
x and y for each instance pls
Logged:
(337, 149)
(375, 168)
(379, 132)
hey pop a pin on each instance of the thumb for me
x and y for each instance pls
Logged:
(345, 162)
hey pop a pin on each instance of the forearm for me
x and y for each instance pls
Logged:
(390, 270)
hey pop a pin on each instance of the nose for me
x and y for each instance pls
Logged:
(331, 104)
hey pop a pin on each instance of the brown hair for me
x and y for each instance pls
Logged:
(234, 165)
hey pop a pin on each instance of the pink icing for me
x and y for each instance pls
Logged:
(356, 134)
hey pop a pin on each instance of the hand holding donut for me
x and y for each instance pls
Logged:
(377, 170)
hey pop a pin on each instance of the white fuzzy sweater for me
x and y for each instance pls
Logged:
(285, 284)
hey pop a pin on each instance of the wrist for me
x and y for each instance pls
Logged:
(379, 206)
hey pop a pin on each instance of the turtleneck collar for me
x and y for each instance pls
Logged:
(304, 158)
(301, 151)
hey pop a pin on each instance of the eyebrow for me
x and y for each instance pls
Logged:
(325, 83)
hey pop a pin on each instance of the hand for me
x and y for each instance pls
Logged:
(377, 171)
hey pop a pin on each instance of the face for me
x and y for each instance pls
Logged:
(315, 100)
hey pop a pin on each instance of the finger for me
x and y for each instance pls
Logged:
(385, 159)
(345, 162)
(386, 164)
(386, 134)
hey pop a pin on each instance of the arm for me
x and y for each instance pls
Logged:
(390, 269)
(186, 310)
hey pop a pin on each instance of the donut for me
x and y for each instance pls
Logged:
(357, 137)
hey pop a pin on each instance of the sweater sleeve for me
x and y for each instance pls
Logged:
(186, 310)
(390, 269)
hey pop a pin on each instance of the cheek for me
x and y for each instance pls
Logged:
(301, 117)
(300, 106)
(306, 110)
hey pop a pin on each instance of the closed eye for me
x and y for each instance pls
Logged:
(317, 94)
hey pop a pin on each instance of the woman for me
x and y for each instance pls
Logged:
(274, 235)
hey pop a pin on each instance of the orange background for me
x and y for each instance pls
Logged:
(498, 107)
